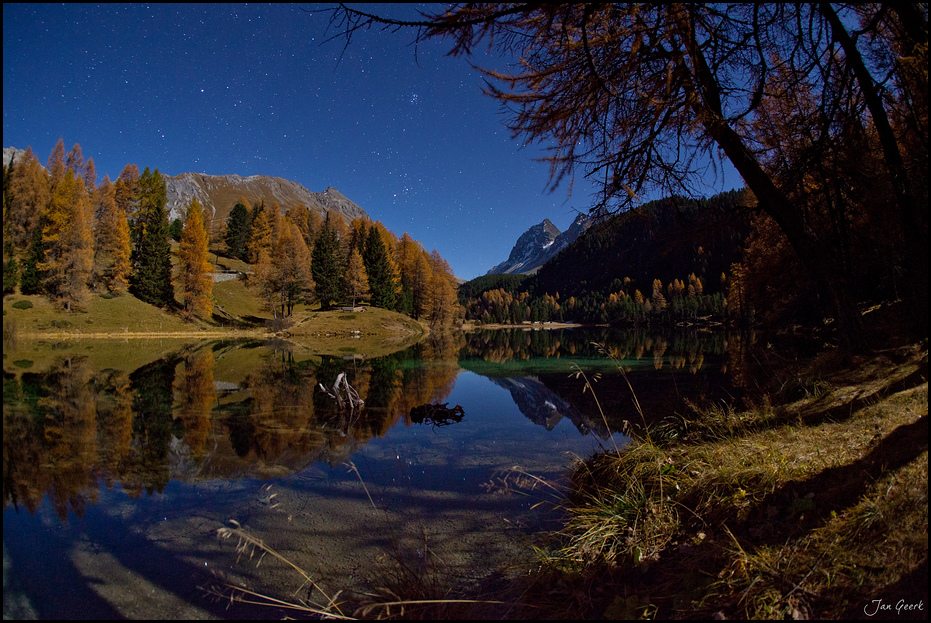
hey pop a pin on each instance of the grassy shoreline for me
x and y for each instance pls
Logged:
(373, 333)
(814, 507)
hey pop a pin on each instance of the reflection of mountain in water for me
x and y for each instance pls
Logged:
(543, 406)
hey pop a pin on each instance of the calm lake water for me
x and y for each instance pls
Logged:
(122, 460)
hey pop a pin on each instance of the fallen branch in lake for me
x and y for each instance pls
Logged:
(343, 393)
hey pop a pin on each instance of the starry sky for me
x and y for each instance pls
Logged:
(403, 131)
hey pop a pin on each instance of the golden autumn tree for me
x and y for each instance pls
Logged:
(195, 274)
(658, 300)
(300, 216)
(444, 307)
(67, 242)
(291, 272)
(276, 220)
(90, 175)
(111, 249)
(414, 268)
(56, 164)
(262, 236)
(262, 282)
(357, 283)
(420, 276)
(29, 196)
(127, 192)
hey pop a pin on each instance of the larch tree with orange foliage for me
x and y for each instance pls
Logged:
(444, 307)
(262, 236)
(291, 267)
(195, 273)
(67, 241)
(112, 248)
(29, 196)
(357, 282)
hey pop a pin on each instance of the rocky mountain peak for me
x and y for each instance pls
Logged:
(10, 152)
(538, 244)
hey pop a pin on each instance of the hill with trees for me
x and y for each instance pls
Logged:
(667, 261)
(67, 237)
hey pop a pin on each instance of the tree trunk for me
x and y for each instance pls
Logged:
(811, 252)
(704, 98)
(914, 232)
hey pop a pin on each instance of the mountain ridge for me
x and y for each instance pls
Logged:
(538, 245)
(219, 193)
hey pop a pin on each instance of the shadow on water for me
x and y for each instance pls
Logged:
(81, 572)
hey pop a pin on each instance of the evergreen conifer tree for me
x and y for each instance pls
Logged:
(326, 266)
(31, 281)
(176, 229)
(10, 267)
(238, 232)
(379, 271)
(152, 262)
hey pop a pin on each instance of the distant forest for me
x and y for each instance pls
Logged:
(667, 261)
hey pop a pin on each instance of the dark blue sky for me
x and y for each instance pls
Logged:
(257, 90)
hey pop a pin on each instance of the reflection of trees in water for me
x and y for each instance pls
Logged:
(507, 345)
(278, 411)
(114, 399)
(66, 430)
(48, 438)
(152, 387)
(197, 395)
(71, 428)
(286, 412)
(678, 348)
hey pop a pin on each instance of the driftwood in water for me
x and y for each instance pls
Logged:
(437, 414)
(343, 393)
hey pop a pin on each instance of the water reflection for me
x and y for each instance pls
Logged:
(233, 410)
(662, 370)
(72, 427)
(543, 406)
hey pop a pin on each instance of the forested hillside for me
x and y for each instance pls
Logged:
(668, 260)
(666, 239)
(67, 237)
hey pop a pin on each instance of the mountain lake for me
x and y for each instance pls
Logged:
(125, 460)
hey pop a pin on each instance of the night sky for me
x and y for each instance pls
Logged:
(257, 90)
